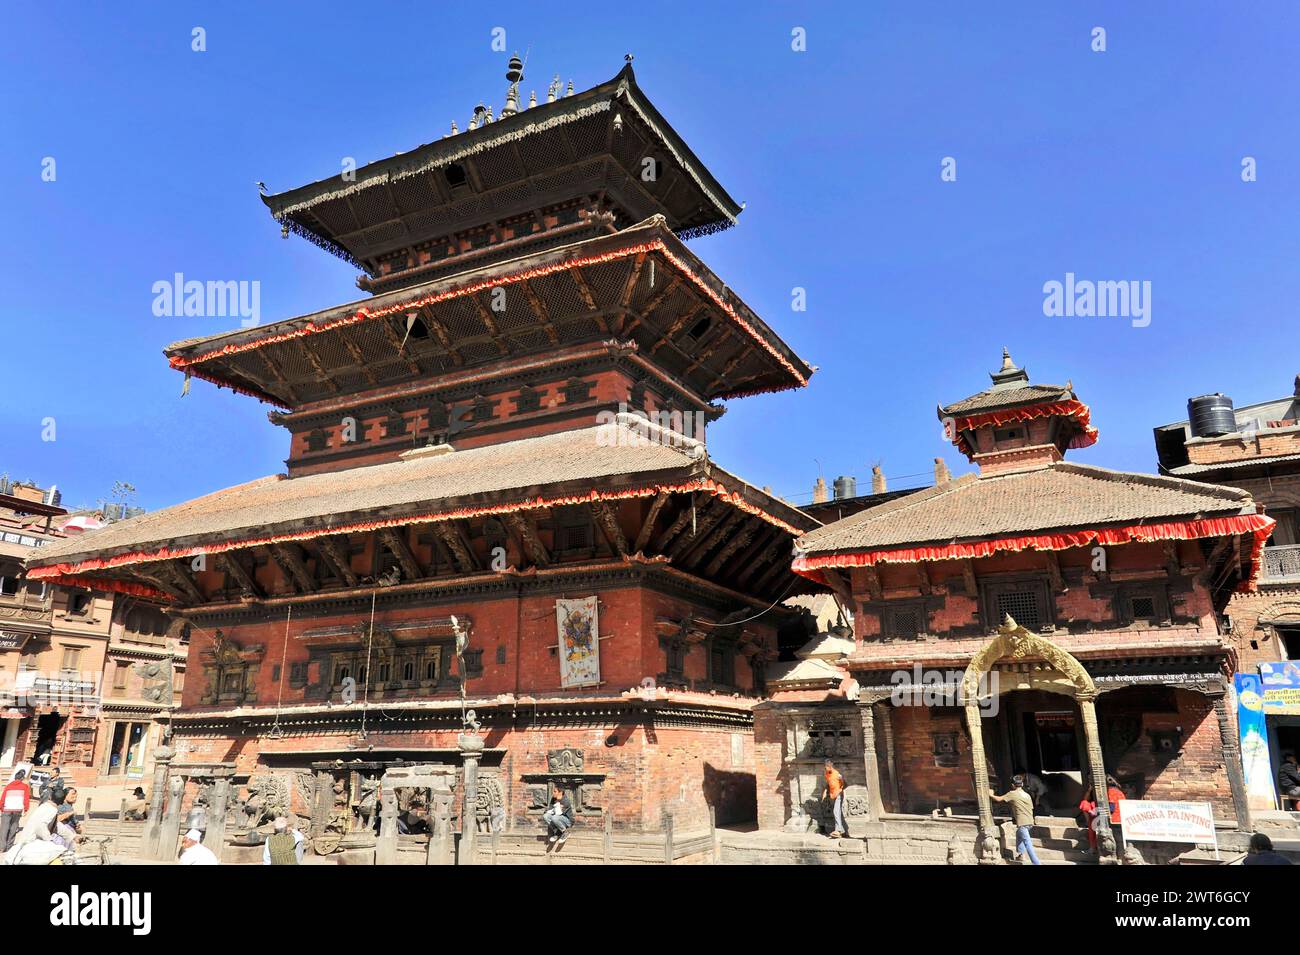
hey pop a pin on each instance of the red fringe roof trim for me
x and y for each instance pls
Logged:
(113, 586)
(1254, 524)
(59, 573)
(1068, 409)
(364, 314)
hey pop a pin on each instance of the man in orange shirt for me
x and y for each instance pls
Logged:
(835, 793)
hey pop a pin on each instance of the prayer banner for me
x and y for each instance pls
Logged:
(579, 638)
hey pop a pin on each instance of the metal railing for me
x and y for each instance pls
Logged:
(1282, 563)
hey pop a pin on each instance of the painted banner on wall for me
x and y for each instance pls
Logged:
(1256, 765)
(579, 639)
(1281, 688)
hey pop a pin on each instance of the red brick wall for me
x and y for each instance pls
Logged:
(921, 782)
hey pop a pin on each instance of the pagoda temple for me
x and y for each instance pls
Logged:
(499, 516)
(1037, 616)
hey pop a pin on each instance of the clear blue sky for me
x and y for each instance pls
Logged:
(1117, 165)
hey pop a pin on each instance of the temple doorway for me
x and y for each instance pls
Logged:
(1041, 733)
(47, 736)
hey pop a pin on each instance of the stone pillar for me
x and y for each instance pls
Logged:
(215, 836)
(386, 844)
(870, 762)
(171, 822)
(1106, 850)
(440, 803)
(471, 751)
(1232, 762)
(987, 851)
(887, 727)
(162, 758)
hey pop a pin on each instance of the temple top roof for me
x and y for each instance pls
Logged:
(595, 141)
(1010, 388)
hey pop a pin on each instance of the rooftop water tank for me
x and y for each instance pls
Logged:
(845, 487)
(1211, 416)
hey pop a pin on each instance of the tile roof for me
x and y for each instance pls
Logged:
(1233, 465)
(1060, 496)
(514, 471)
(1008, 397)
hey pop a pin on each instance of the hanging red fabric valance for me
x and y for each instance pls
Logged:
(58, 573)
(107, 584)
(1257, 525)
(1072, 408)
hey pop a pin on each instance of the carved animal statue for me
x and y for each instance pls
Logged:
(1132, 855)
(365, 807)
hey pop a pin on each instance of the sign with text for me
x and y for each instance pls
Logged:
(1146, 820)
(11, 640)
(1281, 688)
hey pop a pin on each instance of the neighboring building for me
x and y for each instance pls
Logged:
(1256, 448)
(1115, 661)
(469, 447)
(68, 696)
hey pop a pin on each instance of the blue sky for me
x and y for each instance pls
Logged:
(1122, 165)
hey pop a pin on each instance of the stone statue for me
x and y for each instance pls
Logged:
(365, 805)
(1133, 856)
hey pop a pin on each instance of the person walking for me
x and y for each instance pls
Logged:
(284, 846)
(834, 793)
(1022, 814)
(194, 852)
(15, 799)
(558, 817)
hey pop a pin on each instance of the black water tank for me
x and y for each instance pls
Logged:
(845, 487)
(1211, 416)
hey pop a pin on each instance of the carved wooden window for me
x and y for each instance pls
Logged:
(1026, 601)
(394, 425)
(904, 622)
(297, 674)
(573, 531)
(71, 659)
(317, 440)
(722, 666)
(431, 668)
(11, 576)
(1149, 604)
(232, 683)
(576, 390)
(528, 399)
(385, 672)
(484, 409)
(408, 671)
(439, 416)
(341, 673)
(79, 603)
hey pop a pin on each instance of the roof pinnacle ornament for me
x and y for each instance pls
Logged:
(1009, 375)
(514, 73)
(553, 91)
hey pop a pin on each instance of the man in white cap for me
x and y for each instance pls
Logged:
(195, 852)
(285, 846)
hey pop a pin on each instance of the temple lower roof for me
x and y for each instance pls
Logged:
(609, 462)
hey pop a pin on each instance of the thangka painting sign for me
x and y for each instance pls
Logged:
(1256, 762)
(579, 639)
(1146, 820)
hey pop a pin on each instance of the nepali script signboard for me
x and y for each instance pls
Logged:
(579, 642)
(1146, 820)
